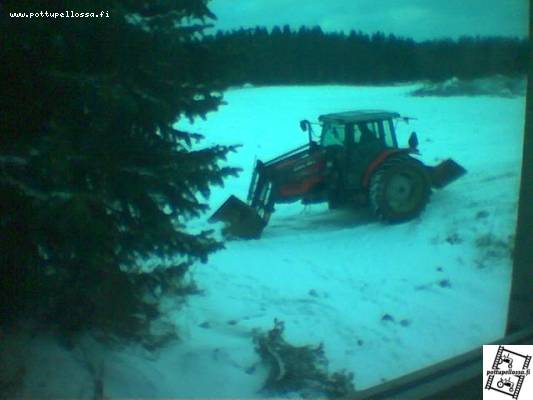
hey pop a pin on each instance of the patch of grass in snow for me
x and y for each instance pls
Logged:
(301, 370)
(492, 248)
(454, 238)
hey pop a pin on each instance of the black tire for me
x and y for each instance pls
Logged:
(399, 190)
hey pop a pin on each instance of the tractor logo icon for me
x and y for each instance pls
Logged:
(506, 382)
(505, 359)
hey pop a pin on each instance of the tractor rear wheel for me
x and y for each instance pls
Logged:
(400, 189)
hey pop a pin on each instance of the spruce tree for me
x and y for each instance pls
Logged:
(94, 176)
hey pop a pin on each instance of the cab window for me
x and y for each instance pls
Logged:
(388, 134)
(365, 132)
(333, 135)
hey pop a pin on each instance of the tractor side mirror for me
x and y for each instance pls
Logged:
(305, 126)
(413, 141)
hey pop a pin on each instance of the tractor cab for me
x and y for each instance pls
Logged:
(359, 128)
(353, 141)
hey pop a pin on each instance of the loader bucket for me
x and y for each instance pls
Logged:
(445, 173)
(241, 220)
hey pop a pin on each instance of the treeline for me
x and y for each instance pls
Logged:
(309, 55)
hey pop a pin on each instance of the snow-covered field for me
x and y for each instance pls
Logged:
(384, 300)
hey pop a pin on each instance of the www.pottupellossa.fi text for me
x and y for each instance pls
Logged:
(63, 14)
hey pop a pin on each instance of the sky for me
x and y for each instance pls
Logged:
(416, 19)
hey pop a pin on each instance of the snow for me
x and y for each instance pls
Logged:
(384, 300)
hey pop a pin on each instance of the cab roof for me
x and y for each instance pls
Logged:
(358, 116)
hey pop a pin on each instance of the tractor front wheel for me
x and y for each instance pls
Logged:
(399, 190)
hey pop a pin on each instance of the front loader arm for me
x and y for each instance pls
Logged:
(284, 179)
(260, 193)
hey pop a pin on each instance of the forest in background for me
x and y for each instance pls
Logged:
(310, 56)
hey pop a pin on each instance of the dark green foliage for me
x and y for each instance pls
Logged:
(299, 369)
(94, 177)
(311, 56)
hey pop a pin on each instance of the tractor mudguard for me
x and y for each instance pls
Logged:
(445, 173)
(376, 163)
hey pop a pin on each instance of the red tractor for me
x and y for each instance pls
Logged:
(355, 162)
